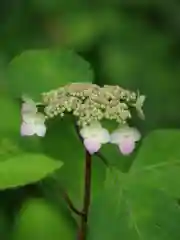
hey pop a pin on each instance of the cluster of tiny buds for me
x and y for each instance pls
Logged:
(90, 102)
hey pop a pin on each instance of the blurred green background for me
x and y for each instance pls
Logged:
(133, 43)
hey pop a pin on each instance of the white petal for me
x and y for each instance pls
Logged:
(125, 132)
(29, 118)
(103, 136)
(40, 130)
(91, 130)
(85, 132)
(39, 118)
(136, 134)
(140, 101)
(115, 138)
(27, 99)
(27, 129)
(29, 107)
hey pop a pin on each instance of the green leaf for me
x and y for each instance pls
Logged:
(114, 158)
(26, 168)
(36, 71)
(158, 161)
(62, 142)
(134, 212)
(160, 146)
(38, 219)
(142, 204)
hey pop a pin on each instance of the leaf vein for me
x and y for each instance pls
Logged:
(159, 165)
(133, 220)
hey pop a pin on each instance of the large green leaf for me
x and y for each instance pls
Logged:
(26, 168)
(62, 142)
(142, 204)
(38, 219)
(158, 161)
(36, 71)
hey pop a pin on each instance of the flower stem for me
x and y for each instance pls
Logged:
(87, 198)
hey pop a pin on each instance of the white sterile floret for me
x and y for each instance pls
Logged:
(94, 136)
(125, 138)
(33, 122)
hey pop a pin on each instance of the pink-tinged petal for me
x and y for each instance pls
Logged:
(92, 145)
(27, 129)
(126, 146)
(40, 130)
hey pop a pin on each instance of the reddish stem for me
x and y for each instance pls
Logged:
(87, 198)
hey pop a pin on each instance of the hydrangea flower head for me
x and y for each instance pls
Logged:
(126, 138)
(94, 136)
(32, 121)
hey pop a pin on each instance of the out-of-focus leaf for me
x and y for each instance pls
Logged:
(39, 219)
(36, 71)
(84, 28)
(55, 6)
(24, 169)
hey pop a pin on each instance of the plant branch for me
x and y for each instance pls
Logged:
(87, 197)
(102, 158)
(62, 193)
(70, 204)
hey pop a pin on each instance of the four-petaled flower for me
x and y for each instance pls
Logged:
(94, 136)
(32, 121)
(125, 138)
